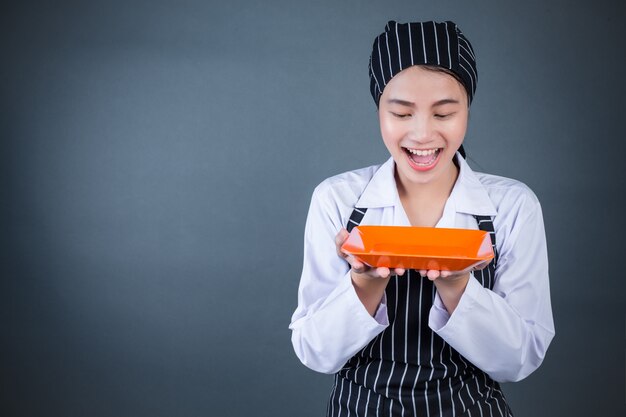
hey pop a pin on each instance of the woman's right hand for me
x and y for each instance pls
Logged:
(369, 283)
(359, 269)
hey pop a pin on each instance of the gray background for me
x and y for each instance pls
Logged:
(157, 160)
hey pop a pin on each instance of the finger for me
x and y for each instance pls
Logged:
(432, 274)
(357, 265)
(340, 238)
(422, 272)
(445, 274)
(383, 272)
(399, 271)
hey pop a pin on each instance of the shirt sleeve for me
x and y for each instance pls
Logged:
(330, 323)
(505, 331)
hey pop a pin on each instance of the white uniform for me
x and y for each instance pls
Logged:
(504, 331)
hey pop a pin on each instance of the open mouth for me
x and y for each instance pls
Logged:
(423, 159)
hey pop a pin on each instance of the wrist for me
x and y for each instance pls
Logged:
(453, 282)
(369, 289)
(366, 281)
(451, 290)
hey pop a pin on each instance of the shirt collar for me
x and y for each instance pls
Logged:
(381, 191)
(468, 194)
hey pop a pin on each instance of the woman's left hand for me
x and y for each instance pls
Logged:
(449, 276)
(451, 284)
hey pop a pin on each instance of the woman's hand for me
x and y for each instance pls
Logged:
(451, 276)
(362, 270)
(369, 283)
(451, 284)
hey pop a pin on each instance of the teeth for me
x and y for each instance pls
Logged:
(421, 152)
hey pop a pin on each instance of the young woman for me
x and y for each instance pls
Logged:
(432, 343)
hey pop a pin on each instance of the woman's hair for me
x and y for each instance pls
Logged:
(454, 75)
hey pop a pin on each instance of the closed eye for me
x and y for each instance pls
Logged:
(444, 116)
(400, 115)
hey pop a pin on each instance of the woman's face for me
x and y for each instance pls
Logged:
(423, 118)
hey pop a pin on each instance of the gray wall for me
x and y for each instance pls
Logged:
(156, 164)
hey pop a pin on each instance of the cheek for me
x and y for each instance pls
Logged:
(459, 129)
(389, 130)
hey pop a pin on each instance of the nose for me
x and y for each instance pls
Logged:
(422, 129)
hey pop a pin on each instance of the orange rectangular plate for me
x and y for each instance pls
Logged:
(419, 247)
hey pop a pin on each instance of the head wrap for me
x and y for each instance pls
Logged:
(402, 45)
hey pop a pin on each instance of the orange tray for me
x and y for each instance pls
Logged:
(419, 247)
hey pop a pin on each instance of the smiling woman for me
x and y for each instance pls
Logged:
(419, 342)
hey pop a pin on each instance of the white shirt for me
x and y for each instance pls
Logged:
(505, 331)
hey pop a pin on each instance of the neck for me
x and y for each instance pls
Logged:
(424, 203)
(431, 191)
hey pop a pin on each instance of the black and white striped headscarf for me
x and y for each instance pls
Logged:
(402, 45)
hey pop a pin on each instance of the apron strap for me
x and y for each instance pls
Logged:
(485, 223)
(355, 218)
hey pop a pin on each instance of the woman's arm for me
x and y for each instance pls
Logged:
(331, 323)
(505, 331)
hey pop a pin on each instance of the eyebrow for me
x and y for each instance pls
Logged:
(401, 102)
(411, 104)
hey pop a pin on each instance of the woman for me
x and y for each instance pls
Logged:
(423, 342)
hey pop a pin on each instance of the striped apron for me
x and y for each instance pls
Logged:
(408, 370)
